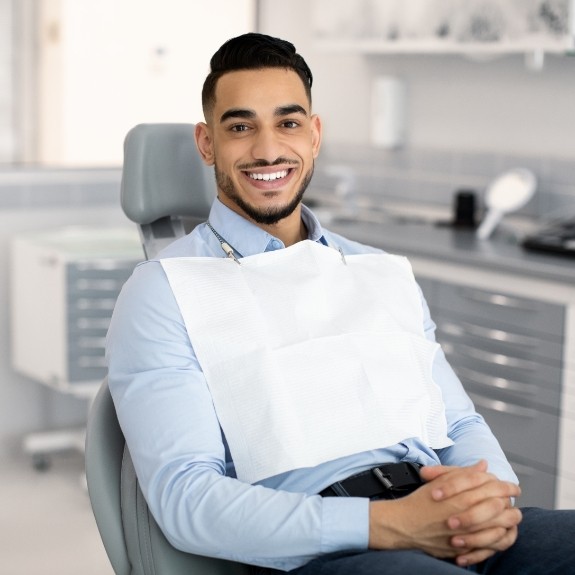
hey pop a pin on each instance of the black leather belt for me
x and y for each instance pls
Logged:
(388, 481)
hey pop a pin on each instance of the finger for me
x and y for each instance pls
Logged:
(460, 480)
(480, 554)
(484, 539)
(484, 505)
(474, 557)
(431, 472)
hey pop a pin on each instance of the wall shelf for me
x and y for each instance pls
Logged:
(489, 27)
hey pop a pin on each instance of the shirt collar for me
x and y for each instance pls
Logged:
(247, 238)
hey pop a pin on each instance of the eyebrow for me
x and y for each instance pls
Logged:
(290, 109)
(237, 113)
(248, 114)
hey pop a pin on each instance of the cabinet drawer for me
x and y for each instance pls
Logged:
(508, 340)
(86, 367)
(500, 308)
(526, 432)
(501, 365)
(97, 279)
(536, 395)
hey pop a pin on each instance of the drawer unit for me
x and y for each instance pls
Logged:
(508, 352)
(64, 288)
(92, 288)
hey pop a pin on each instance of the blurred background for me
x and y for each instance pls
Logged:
(424, 103)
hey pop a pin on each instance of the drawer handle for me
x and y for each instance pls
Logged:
(86, 342)
(104, 264)
(503, 406)
(88, 361)
(498, 335)
(95, 323)
(98, 285)
(497, 382)
(499, 300)
(105, 304)
(497, 358)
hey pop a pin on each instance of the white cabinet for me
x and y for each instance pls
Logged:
(64, 285)
(106, 66)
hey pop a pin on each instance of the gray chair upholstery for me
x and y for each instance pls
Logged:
(164, 185)
(104, 452)
(166, 188)
(133, 541)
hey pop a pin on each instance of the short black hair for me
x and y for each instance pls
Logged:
(253, 51)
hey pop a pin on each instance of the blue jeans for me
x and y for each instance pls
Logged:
(545, 546)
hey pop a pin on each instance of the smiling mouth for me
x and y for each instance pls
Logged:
(268, 177)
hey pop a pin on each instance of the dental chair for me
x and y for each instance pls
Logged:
(166, 190)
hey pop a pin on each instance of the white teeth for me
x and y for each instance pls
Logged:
(269, 177)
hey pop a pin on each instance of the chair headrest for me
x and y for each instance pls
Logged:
(163, 174)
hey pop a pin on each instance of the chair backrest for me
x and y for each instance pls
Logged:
(166, 188)
(104, 452)
(133, 541)
(164, 185)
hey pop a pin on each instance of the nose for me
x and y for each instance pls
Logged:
(267, 145)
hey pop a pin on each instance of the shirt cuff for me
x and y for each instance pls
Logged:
(345, 523)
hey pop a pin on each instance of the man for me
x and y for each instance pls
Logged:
(260, 376)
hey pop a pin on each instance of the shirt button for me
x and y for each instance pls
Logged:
(276, 245)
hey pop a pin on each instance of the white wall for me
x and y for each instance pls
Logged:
(6, 83)
(107, 65)
(453, 103)
(93, 98)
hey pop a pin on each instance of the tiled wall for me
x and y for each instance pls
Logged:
(432, 177)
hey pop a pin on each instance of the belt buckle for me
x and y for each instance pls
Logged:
(383, 479)
(398, 481)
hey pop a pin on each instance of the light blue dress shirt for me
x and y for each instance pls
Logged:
(181, 458)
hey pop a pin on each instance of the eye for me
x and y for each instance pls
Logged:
(239, 128)
(290, 124)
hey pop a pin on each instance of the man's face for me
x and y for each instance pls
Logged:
(262, 140)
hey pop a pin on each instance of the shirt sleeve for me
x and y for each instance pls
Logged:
(168, 418)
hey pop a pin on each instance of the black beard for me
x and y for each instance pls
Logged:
(267, 216)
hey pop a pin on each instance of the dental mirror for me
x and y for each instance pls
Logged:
(507, 193)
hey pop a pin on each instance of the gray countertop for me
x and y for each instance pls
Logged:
(459, 246)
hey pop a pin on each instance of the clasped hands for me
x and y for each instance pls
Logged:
(460, 513)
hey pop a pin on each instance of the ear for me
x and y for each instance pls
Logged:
(204, 143)
(316, 133)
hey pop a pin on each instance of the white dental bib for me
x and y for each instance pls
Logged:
(310, 357)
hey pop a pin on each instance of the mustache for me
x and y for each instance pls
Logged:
(265, 164)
